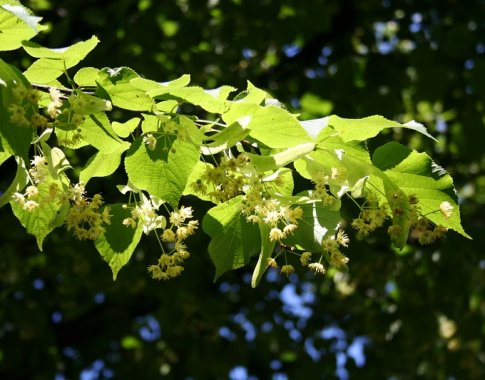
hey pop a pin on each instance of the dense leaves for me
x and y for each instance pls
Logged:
(420, 311)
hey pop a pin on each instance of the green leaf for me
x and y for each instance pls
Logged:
(233, 239)
(316, 223)
(20, 180)
(101, 165)
(97, 131)
(213, 100)
(164, 171)
(87, 104)
(118, 242)
(252, 95)
(17, 25)
(197, 173)
(126, 128)
(157, 88)
(416, 174)
(363, 129)
(52, 63)
(86, 77)
(43, 219)
(267, 247)
(272, 126)
(117, 84)
(57, 161)
(224, 139)
(333, 154)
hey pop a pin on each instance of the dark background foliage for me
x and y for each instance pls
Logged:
(415, 314)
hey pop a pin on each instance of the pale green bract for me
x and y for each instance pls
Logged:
(227, 145)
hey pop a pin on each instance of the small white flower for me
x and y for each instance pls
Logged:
(317, 267)
(446, 209)
(150, 141)
(30, 205)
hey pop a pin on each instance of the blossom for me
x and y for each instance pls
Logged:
(446, 209)
(276, 234)
(317, 267)
(150, 141)
(305, 258)
(342, 238)
(287, 270)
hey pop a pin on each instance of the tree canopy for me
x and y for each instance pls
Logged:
(413, 312)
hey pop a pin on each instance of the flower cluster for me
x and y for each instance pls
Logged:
(24, 111)
(85, 217)
(53, 108)
(226, 180)
(322, 185)
(283, 220)
(146, 214)
(371, 217)
(330, 253)
(27, 200)
(169, 263)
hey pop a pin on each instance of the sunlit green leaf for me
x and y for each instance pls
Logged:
(43, 219)
(117, 84)
(118, 242)
(233, 239)
(363, 129)
(17, 24)
(164, 171)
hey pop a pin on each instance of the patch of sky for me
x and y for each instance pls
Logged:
(469, 64)
(296, 304)
(291, 50)
(99, 298)
(56, 317)
(148, 328)
(280, 376)
(416, 23)
(240, 373)
(343, 350)
(441, 125)
(246, 325)
(70, 352)
(38, 284)
(226, 333)
(248, 53)
(98, 370)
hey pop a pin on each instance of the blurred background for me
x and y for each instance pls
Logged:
(414, 314)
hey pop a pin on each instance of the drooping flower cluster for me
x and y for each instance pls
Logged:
(323, 183)
(146, 214)
(283, 220)
(24, 110)
(85, 217)
(226, 180)
(371, 217)
(330, 253)
(27, 200)
(405, 212)
(169, 264)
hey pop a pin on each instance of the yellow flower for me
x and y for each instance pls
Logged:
(272, 263)
(287, 270)
(168, 236)
(276, 234)
(305, 258)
